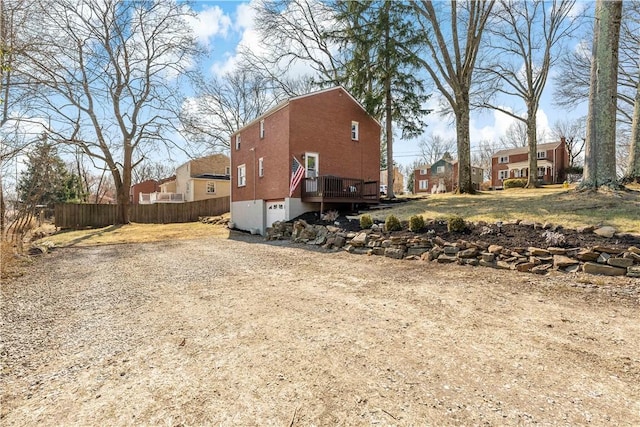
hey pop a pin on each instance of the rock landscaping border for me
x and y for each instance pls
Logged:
(599, 259)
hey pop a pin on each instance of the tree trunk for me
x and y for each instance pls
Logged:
(633, 169)
(388, 111)
(600, 149)
(464, 148)
(2, 210)
(532, 180)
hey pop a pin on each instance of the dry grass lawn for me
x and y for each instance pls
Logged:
(136, 233)
(554, 204)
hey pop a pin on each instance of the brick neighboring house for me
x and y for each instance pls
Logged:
(442, 177)
(553, 160)
(198, 179)
(334, 140)
(398, 180)
(147, 187)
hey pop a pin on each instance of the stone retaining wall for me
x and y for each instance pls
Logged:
(601, 260)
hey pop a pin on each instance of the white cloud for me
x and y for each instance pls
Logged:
(210, 22)
(249, 39)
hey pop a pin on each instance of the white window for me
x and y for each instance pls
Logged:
(261, 128)
(542, 154)
(541, 172)
(211, 187)
(440, 169)
(227, 170)
(355, 131)
(503, 159)
(423, 184)
(237, 142)
(311, 165)
(504, 174)
(261, 166)
(242, 176)
(423, 171)
(516, 173)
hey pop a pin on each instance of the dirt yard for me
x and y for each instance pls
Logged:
(240, 332)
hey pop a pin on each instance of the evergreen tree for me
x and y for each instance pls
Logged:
(46, 179)
(380, 43)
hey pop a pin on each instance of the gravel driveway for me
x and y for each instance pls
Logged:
(240, 332)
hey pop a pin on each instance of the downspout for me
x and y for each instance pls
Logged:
(554, 168)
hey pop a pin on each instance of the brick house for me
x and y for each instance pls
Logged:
(553, 160)
(145, 187)
(325, 136)
(198, 179)
(442, 177)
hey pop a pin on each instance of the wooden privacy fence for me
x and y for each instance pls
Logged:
(69, 215)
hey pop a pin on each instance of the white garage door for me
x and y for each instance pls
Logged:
(275, 212)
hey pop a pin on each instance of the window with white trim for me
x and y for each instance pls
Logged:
(503, 159)
(355, 131)
(261, 166)
(237, 142)
(440, 169)
(542, 171)
(504, 174)
(516, 173)
(227, 170)
(211, 187)
(242, 176)
(423, 184)
(542, 154)
(423, 171)
(262, 129)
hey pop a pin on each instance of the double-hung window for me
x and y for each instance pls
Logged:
(242, 176)
(237, 142)
(355, 131)
(261, 166)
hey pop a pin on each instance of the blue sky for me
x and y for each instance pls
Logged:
(224, 25)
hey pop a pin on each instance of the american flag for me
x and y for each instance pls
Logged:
(297, 172)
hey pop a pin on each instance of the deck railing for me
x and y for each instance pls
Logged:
(340, 189)
(149, 198)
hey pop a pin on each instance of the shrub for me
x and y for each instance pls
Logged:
(514, 183)
(392, 223)
(416, 223)
(366, 221)
(456, 224)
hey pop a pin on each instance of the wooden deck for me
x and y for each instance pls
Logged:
(333, 189)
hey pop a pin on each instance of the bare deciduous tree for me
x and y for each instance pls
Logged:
(224, 105)
(152, 170)
(574, 132)
(600, 153)
(113, 76)
(525, 38)
(454, 35)
(296, 31)
(573, 82)
(434, 148)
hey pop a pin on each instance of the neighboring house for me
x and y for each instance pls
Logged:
(442, 177)
(553, 160)
(199, 179)
(146, 187)
(398, 180)
(312, 152)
